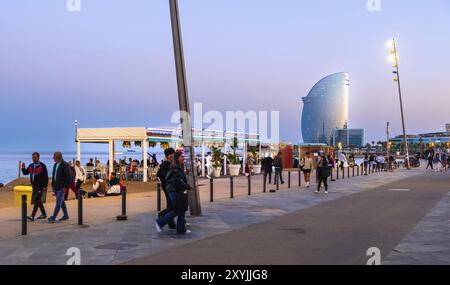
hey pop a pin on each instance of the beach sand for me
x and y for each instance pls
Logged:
(7, 194)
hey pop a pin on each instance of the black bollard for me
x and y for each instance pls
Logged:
(24, 215)
(353, 171)
(299, 178)
(289, 179)
(231, 188)
(278, 179)
(348, 172)
(123, 217)
(249, 178)
(337, 173)
(264, 182)
(80, 207)
(158, 196)
(343, 172)
(331, 173)
(357, 170)
(211, 190)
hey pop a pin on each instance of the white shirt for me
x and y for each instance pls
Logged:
(209, 160)
(80, 174)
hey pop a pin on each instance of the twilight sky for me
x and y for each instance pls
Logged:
(112, 63)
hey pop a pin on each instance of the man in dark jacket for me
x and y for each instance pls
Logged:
(267, 165)
(60, 184)
(39, 180)
(162, 173)
(278, 163)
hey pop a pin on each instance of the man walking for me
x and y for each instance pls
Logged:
(307, 166)
(209, 165)
(278, 163)
(39, 180)
(430, 160)
(60, 184)
(267, 165)
(162, 174)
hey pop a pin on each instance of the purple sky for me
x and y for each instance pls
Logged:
(112, 63)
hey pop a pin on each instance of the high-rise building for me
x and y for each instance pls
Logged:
(348, 137)
(325, 108)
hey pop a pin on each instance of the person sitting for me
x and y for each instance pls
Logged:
(115, 187)
(99, 187)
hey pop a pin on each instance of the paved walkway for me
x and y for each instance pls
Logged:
(338, 232)
(429, 242)
(110, 242)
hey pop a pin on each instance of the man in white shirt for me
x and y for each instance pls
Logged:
(209, 165)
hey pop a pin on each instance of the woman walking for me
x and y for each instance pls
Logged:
(177, 186)
(323, 171)
(307, 166)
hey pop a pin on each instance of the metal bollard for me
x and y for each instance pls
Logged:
(24, 215)
(343, 172)
(80, 207)
(357, 170)
(278, 179)
(231, 188)
(299, 178)
(264, 183)
(123, 217)
(211, 190)
(348, 172)
(331, 173)
(353, 171)
(337, 173)
(158, 196)
(289, 179)
(249, 178)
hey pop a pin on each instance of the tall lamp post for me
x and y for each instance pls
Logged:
(394, 58)
(183, 100)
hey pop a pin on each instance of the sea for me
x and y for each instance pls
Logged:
(9, 161)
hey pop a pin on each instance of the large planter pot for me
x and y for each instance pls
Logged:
(256, 169)
(234, 169)
(217, 172)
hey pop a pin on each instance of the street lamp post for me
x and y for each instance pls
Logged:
(183, 100)
(393, 46)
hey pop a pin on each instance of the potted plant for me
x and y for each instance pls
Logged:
(256, 167)
(233, 158)
(217, 157)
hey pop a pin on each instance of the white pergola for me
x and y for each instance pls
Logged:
(110, 136)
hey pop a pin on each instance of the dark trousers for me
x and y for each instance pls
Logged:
(170, 215)
(37, 201)
(168, 209)
(430, 163)
(278, 175)
(268, 173)
(72, 187)
(325, 183)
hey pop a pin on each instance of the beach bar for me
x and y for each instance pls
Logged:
(110, 136)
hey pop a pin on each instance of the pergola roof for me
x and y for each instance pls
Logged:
(104, 135)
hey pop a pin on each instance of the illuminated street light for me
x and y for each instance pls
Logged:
(393, 57)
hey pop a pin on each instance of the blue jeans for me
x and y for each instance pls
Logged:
(60, 204)
(181, 221)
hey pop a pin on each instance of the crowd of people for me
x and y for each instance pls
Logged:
(437, 160)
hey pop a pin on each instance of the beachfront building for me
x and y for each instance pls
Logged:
(166, 137)
(325, 108)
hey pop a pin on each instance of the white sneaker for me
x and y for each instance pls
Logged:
(188, 232)
(158, 228)
(317, 192)
(326, 192)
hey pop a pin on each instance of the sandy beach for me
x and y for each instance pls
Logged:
(7, 194)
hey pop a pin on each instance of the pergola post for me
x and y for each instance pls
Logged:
(79, 151)
(111, 156)
(144, 154)
(203, 156)
(225, 158)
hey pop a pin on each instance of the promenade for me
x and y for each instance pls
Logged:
(107, 241)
